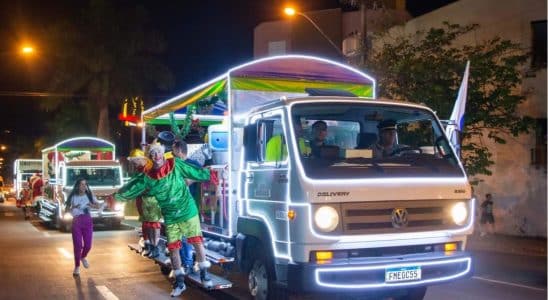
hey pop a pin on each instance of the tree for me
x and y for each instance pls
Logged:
(427, 67)
(106, 54)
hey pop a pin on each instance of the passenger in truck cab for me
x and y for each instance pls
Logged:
(319, 133)
(386, 144)
(276, 149)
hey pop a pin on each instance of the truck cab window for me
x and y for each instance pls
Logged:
(375, 140)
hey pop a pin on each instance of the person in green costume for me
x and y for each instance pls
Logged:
(147, 206)
(165, 181)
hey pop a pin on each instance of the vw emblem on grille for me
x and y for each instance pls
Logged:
(399, 217)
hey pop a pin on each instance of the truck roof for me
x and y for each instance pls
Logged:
(288, 101)
(94, 163)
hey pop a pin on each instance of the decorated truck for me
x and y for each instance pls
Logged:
(81, 157)
(332, 218)
(23, 170)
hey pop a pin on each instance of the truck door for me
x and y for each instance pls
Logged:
(265, 179)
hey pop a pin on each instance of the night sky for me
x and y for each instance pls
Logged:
(205, 38)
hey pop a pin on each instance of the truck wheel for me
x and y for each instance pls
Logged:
(165, 270)
(258, 280)
(116, 224)
(261, 279)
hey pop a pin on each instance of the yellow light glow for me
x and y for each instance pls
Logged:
(290, 11)
(324, 255)
(291, 215)
(450, 247)
(27, 50)
(3, 147)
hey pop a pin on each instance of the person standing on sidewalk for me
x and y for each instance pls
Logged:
(487, 215)
(79, 202)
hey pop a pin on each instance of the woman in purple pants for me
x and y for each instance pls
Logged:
(79, 202)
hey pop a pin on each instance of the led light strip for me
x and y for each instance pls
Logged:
(263, 217)
(318, 272)
(379, 237)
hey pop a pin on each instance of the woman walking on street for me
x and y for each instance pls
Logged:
(79, 202)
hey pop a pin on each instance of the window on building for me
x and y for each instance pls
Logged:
(538, 154)
(538, 49)
(279, 48)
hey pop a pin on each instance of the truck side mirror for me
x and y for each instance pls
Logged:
(251, 147)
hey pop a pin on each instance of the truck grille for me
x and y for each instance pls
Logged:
(377, 217)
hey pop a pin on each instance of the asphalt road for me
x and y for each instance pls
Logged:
(36, 263)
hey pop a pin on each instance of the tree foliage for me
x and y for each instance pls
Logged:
(106, 54)
(427, 67)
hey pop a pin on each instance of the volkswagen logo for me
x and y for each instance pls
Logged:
(399, 217)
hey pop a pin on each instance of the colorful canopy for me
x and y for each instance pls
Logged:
(280, 74)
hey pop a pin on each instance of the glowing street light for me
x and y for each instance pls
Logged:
(290, 11)
(3, 147)
(27, 50)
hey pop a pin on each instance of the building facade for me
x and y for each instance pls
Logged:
(518, 180)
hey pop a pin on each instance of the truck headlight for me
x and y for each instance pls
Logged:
(326, 218)
(119, 206)
(459, 212)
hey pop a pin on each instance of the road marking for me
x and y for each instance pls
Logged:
(65, 253)
(46, 234)
(34, 227)
(508, 283)
(9, 214)
(106, 293)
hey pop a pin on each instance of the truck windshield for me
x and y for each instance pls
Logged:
(94, 176)
(371, 140)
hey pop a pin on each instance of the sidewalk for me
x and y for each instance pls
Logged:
(507, 244)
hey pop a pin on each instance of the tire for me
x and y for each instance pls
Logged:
(116, 224)
(261, 279)
(165, 270)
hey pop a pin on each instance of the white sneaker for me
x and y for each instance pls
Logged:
(76, 271)
(178, 289)
(85, 262)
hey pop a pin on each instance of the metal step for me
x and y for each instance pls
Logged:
(194, 278)
(217, 258)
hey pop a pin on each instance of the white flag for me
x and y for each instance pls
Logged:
(456, 121)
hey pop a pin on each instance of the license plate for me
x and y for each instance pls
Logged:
(402, 274)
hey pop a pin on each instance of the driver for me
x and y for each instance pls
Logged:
(386, 145)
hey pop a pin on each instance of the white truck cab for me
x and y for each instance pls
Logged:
(336, 216)
(83, 157)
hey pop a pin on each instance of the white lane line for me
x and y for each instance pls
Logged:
(46, 234)
(34, 227)
(65, 253)
(9, 214)
(508, 283)
(106, 293)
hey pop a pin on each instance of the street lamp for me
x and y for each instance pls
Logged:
(290, 11)
(3, 147)
(27, 50)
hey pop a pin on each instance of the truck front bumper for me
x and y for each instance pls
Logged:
(370, 273)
